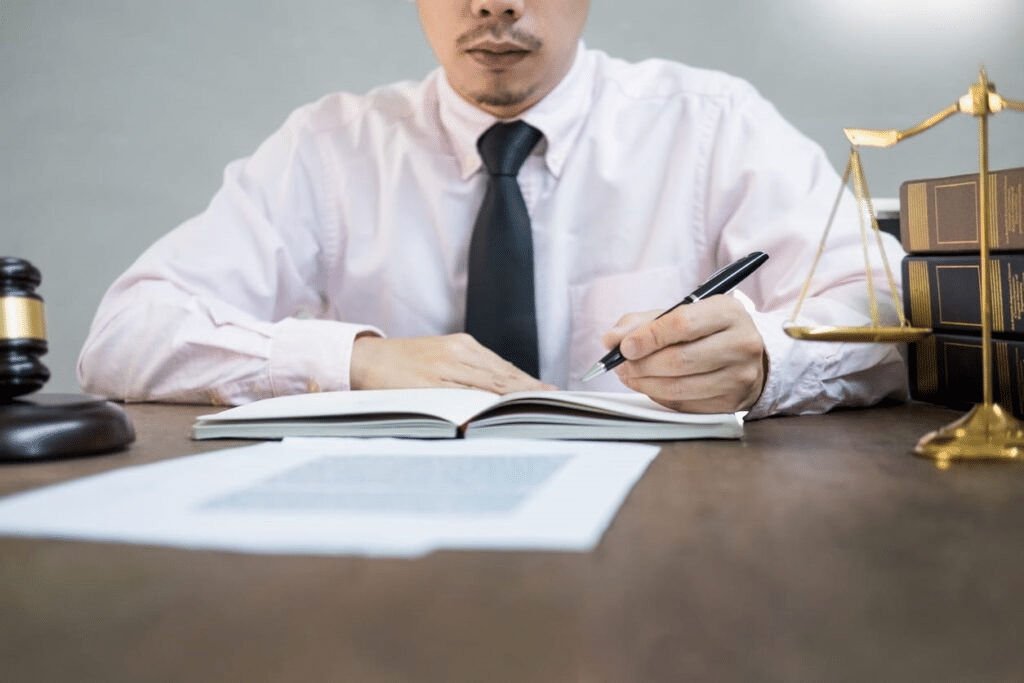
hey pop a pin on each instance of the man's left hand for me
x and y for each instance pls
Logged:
(705, 357)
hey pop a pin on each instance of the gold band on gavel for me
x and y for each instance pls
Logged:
(22, 318)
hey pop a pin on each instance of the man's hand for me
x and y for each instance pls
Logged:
(706, 357)
(455, 360)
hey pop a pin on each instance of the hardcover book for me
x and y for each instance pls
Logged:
(457, 413)
(941, 214)
(943, 291)
(946, 369)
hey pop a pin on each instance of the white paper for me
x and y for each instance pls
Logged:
(348, 496)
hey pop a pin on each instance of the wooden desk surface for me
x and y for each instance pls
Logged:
(816, 549)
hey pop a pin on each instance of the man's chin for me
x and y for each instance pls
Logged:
(504, 99)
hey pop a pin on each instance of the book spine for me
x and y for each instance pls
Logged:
(943, 292)
(946, 369)
(941, 214)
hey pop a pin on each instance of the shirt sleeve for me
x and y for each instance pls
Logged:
(774, 190)
(223, 309)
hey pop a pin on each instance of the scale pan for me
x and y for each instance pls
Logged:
(858, 334)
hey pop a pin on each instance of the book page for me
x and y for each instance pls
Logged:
(629, 404)
(449, 404)
(456, 406)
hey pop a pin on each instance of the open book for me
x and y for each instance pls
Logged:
(454, 413)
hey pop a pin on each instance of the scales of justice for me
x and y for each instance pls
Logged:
(987, 431)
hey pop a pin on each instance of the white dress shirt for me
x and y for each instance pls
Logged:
(356, 215)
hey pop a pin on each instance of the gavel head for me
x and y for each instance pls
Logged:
(22, 329)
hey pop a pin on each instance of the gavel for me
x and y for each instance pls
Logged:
(22, 329)
(44, 426)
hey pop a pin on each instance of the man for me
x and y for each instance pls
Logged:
(337, 256)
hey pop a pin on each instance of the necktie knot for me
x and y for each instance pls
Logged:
(504, 147)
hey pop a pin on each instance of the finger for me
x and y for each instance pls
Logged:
(476, 366)
(734, 345)
(724, 390)
(625, 325)
(497, 375)
(682, 324)
(455, 360)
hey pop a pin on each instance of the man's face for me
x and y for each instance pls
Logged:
(504, 55)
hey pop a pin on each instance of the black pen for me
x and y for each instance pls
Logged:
(720, 282)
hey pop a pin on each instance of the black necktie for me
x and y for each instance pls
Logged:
(500, 308)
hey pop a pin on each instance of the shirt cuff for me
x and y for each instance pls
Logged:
(792, 375)
(310, 356)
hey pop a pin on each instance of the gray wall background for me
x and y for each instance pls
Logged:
(118, 116)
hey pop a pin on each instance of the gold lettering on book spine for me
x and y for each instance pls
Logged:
(1003, 371)
(1013, 196)
(920, 293)
(1018, 367)
(993, 210)
(927, 367)
(995, 276)
(22, 318)
(917, 216)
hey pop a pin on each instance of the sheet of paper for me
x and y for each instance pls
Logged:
(348, 496)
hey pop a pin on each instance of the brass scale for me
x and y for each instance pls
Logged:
(986, 432)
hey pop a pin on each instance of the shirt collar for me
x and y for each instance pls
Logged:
(559, 116)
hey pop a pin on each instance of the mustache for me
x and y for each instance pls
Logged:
(498, 32)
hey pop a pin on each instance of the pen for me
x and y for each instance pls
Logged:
(720, 282)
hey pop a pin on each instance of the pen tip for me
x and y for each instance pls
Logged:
(593, 372)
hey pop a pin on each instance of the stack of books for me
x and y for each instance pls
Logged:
(939, 228)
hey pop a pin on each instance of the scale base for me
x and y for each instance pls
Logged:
(986, 432)
(58, 426)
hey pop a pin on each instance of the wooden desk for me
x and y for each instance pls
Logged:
(814, 550)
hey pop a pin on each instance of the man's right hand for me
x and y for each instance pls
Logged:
(455, 360)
